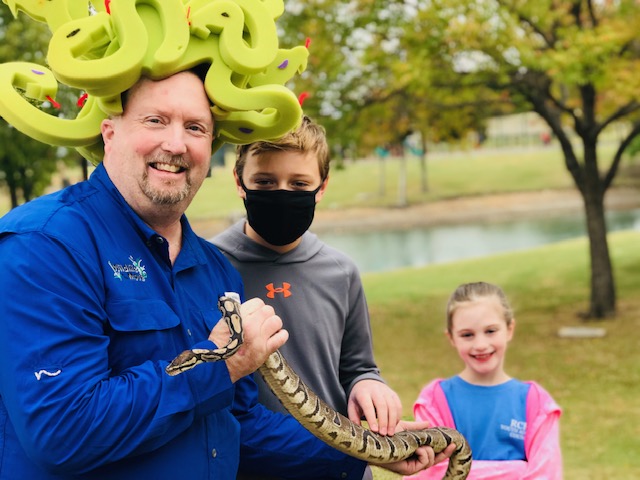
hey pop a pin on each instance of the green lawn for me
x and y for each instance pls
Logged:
(595, 381)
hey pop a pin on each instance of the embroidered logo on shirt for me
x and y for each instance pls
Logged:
(285, 290)
(48, 374)
(516, 429)
(134, 271)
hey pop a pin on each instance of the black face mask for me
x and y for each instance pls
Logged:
(280, 217)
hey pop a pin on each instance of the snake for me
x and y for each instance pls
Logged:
(319, 418)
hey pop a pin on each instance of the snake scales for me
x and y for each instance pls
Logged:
(319, 418)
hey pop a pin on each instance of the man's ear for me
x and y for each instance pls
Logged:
(241, 193)
(323, 187)
(107, 130)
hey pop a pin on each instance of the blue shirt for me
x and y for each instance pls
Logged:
(492, 419)
(92, 311)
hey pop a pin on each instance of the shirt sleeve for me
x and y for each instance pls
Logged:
(277, 445)
(542, 440)
(356, 358)
(71, 414)
(431, 406)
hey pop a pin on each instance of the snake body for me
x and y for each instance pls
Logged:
(322, 420)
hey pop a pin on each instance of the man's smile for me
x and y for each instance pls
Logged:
(167, 167)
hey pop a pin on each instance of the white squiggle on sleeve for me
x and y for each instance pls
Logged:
(48, 374)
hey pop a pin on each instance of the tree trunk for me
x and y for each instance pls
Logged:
(423, 163)
(382, 184)
(603, 294)
(14, 195)
(403, 200)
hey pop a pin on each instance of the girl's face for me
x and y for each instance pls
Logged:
(480, 334)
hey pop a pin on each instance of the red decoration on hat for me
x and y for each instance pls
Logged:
(82, 100)
(53, 102)
(302, 97)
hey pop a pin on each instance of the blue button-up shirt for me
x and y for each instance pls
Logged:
(91, 312)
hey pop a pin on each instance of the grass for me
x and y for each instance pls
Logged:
(595, 381)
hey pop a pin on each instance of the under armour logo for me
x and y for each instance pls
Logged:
(284, 290)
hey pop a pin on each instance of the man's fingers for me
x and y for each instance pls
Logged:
(250, 306)
(277, 340)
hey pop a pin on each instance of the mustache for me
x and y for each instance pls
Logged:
(173, 160)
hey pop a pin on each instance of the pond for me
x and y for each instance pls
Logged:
(388, 250)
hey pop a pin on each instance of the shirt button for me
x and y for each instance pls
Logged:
(159, 240)
(214, 453)
(344, 475)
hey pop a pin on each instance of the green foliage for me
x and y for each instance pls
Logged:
(26, 165)
(594, 380)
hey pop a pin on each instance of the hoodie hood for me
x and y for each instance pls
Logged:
(234, 243)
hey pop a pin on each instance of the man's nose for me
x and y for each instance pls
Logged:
(174, 141)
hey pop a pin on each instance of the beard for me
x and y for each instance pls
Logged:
(169, 193)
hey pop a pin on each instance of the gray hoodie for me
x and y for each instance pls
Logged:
(317, 292)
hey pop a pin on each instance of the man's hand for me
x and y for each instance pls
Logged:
(423, 458)
(263, 335)
(380, 406)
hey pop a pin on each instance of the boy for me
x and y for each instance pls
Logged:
(315, 289)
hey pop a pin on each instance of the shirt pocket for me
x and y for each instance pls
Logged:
(140, 331)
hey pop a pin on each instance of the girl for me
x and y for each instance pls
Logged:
(511, 426)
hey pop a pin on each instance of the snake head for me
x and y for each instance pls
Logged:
(54, 13)
(183, 362)
(35, 81)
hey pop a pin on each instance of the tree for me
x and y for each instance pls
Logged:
(362, 88)
(26, 165)
(574, 62)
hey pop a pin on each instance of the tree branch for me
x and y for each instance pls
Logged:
(613, 169)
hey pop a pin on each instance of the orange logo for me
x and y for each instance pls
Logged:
(284, 290)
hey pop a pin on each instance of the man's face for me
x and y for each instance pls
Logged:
(158, 152)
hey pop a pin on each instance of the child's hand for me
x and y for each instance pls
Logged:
(423, 458)
(377, 403)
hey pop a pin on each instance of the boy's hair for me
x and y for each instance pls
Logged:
(308, 137)
(470, 292)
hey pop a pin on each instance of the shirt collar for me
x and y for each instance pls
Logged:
(191, 252)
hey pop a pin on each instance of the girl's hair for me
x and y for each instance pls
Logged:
(309, 137)
(470, 292)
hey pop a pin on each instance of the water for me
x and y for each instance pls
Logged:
(388, 250)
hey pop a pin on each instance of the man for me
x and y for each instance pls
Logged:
(108, 283)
